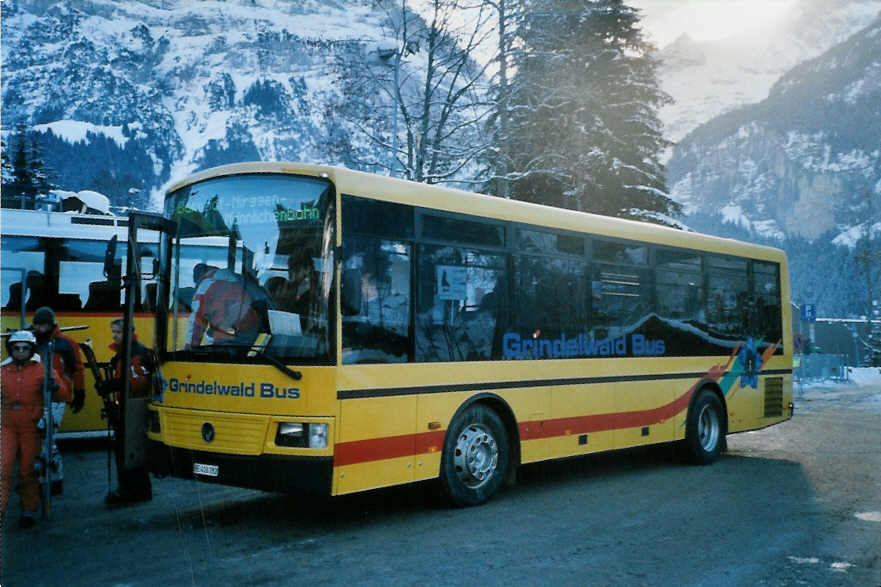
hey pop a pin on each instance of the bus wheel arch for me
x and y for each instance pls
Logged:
(479, 450)
(706, 425)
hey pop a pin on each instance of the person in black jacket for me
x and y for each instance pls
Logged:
(134, 482)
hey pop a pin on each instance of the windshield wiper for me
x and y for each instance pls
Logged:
(261, 352)
(253, 351)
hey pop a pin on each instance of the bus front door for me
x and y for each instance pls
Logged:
(133, 405)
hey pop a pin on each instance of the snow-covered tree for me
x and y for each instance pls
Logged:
(584, 129)
(507, 15)
(6, 162)
(18, 186)
(40, 173)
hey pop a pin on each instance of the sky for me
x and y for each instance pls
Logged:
(706, 20)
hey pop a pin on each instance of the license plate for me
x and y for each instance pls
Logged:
(209, 470)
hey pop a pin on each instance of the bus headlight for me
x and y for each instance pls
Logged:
(317, 435)
(301, 435)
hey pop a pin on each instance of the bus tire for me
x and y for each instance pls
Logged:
(705, 429)
(476, 457)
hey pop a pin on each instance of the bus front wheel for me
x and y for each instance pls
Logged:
(705, 429)
(476, 456)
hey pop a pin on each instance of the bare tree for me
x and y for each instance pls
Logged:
(431, 93)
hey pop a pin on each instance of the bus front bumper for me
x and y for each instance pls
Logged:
(266, 472)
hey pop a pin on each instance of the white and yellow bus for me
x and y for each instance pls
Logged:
(364, 331)
(65, 260)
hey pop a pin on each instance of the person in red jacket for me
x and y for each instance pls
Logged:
(68, 360)
(134, 482)
(21, 397)
(222, 309)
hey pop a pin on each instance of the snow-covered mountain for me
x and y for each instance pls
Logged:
(800, 170)
(706, 79)
(805, 161)
(140, 92)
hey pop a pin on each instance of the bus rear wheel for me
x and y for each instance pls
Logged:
(476, 456)
(705, 429)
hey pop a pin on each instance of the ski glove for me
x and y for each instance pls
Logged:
(79, 398)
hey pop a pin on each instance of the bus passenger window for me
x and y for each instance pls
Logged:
(679, 286)
(461, 304)
(549, 307)
(620, 299)
(378, 330)
(19, 253)
(729, 303)
(766, 290)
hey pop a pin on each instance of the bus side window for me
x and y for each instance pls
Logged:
(549, 301)
(377, 331)
(620, 299)
(766, 324)
(679, 285)
(17, 253)
(728, 297)
(460, 306)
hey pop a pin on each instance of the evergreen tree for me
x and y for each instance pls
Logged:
(584, 130)
(7, 163)
(39, 171)
(20, 191)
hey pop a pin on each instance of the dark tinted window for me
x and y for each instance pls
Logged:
(729, 301)
(615, 252)
(461, 231)
(461, 304)
(376, 301)
(550, 308)
(620, 299)
(766, 290)
(679, 285)
(533, 241)
(375, 218)
(678, 259)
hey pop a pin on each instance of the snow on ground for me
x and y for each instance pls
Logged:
(862, 389)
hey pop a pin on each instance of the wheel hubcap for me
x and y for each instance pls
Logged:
(708, 429)
(476, 456)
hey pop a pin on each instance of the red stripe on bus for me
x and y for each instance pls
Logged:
(603, 422)
(390, 447)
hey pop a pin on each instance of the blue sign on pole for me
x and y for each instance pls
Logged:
(809, 312)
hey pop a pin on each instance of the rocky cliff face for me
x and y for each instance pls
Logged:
(804, 162)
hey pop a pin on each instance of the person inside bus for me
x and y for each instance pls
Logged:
(222, 309)
(21, 404)
(302, 289)
(67, 358)
(134, 482)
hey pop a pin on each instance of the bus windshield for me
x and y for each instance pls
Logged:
(251, 269)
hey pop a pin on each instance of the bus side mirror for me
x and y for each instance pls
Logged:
(154, 267)
(112, 269)
(350, 296)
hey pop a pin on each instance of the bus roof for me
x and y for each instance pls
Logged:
(402, 191)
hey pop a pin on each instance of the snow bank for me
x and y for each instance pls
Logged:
(865, 375)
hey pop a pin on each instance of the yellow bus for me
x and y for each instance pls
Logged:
(60, 260)
(365, 331)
